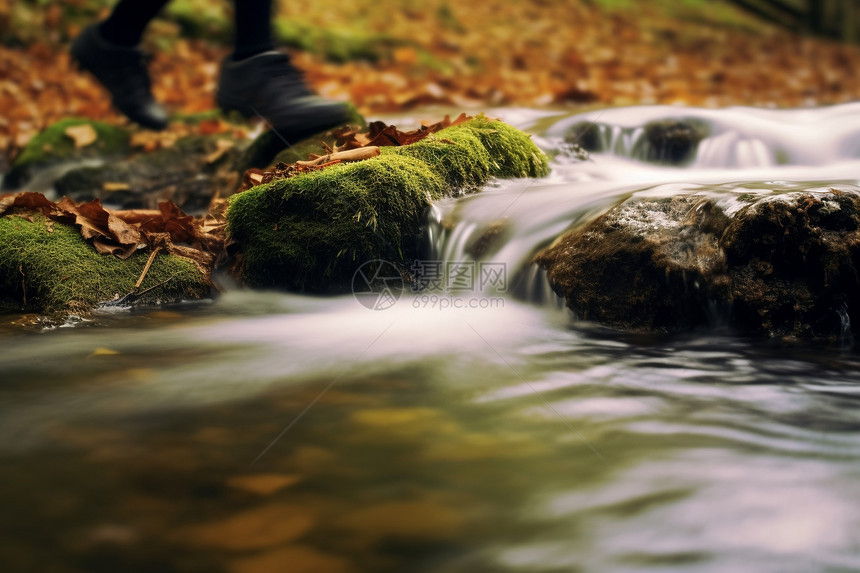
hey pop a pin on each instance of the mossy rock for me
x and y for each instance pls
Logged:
(311, 232)
(513, 154)
(53, 146)
(456, 154)
(47, 267)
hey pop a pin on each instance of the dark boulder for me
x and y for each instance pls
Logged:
(775, 264)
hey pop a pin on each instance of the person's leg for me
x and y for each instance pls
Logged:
(257, 80)
(129, 19)
(110, 51)
(253, 28)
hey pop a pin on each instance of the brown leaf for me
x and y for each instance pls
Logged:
(381, 134)
(82, 135)
(96, 222)
(177, 223)
(106, 247)
(26, 200)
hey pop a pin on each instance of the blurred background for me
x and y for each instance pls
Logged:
(391, 55)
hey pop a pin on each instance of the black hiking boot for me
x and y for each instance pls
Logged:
(268, 86)
(122, 71)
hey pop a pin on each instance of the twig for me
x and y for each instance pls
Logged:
(153, 287)
(348, 155)
(23, 282)
(134, 295)
(146, 268)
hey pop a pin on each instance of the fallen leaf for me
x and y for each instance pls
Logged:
(82, 135)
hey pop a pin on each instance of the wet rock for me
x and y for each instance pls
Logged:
(653, 264)
(782, 265)
(490, 239)
(412, 520)
(189, 173)
(585, 134)
(794, 263)
(670, 141)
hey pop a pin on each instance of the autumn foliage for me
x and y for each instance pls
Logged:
(466, 54)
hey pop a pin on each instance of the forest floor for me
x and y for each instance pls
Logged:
(393, 55)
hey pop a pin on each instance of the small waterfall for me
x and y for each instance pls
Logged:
(742, 151)
(739, 138)
(846, 337)
(532, 285)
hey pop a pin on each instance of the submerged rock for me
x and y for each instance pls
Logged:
(665, 141)
(313, 231)
(586, 134)
(670, 141)
(782, 265)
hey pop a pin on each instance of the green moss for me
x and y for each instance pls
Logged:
(52, 145)
(456, 154)
(467, 155)
(312, 231)
(513, 152)
(51, 266)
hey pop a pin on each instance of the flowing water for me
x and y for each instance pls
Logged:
(479, 429)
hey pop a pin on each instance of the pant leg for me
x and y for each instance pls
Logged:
(129, 19)
(253, 28)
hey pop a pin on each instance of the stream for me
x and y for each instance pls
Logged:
(474, 426)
